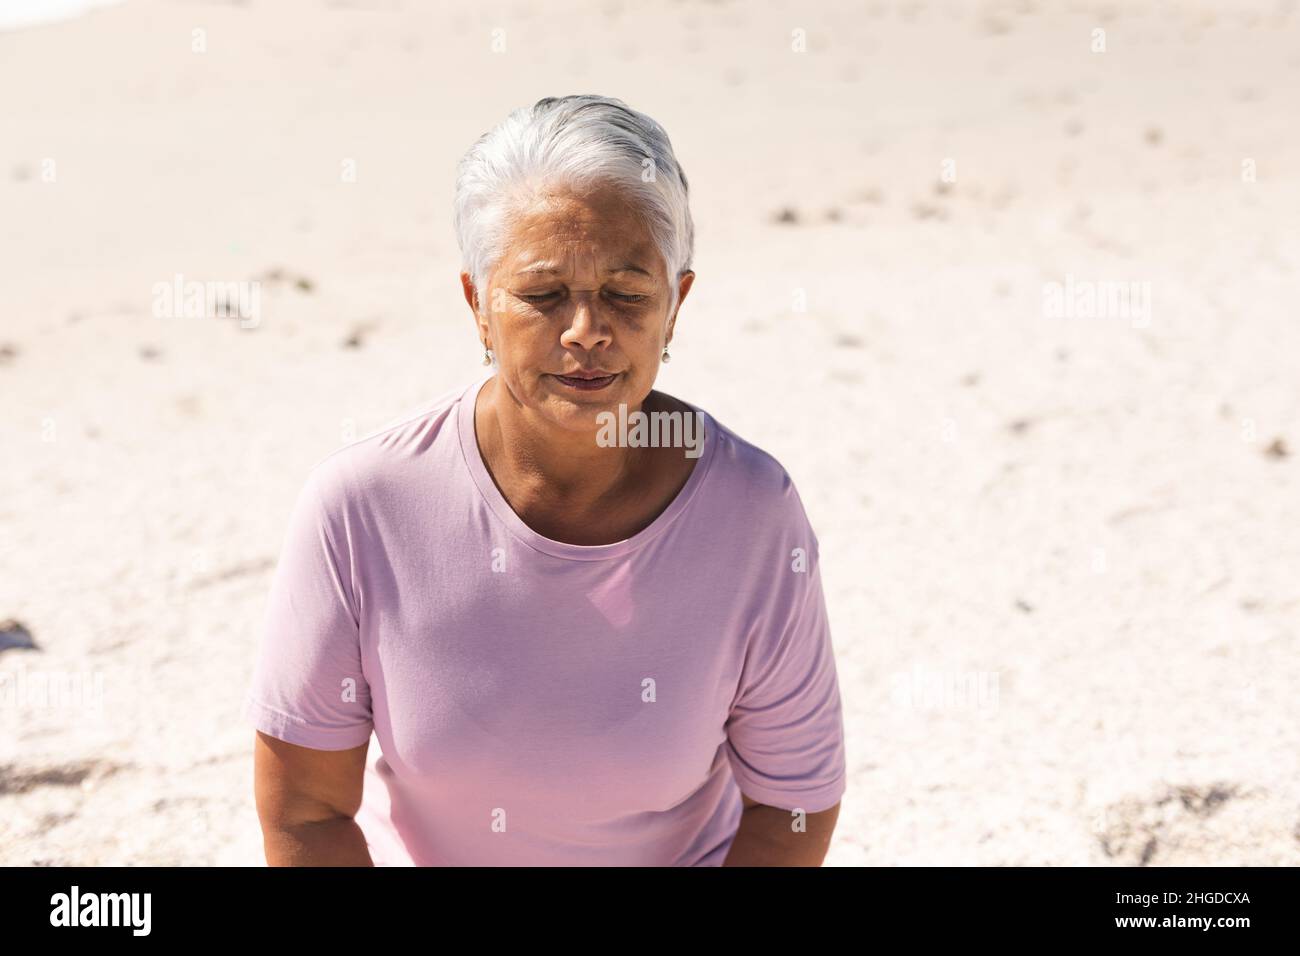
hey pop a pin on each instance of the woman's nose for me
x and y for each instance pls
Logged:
(587, 326)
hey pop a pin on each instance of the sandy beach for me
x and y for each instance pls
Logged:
(1017, 314)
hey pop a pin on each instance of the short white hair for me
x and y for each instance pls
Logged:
(576, 142)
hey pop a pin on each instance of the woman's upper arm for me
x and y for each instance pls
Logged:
(309, 699)
(785, 731)
(830, 813)
(295, 785)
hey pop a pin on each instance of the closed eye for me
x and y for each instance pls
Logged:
(545, 296)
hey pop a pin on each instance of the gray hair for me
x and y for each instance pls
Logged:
(575, 141)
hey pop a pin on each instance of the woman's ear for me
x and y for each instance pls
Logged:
(684, 284)
(471, 294)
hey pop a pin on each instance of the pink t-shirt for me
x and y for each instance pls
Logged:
(544, 703)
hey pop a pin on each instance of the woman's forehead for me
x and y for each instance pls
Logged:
(566, 215)
(569, 239)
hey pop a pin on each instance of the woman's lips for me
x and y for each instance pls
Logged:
(587, 384)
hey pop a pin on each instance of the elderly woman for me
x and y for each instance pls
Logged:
(572, 651)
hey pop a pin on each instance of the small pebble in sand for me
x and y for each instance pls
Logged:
(15, 635)
(277, 275)
(357, 337)
(1277, 449)
(786, 215)
(925, 210)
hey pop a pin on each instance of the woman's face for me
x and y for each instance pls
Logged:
(579, 288)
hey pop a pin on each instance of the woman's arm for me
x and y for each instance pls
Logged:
(306, 800)
(767, 837)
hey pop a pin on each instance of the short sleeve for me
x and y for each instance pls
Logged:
(308, 687)
(785, 732)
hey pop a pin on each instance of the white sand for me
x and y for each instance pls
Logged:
(1139, 704)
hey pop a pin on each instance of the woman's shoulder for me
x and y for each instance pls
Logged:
(367, 461)
(749, 473)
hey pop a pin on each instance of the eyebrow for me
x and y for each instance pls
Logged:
(546, 268)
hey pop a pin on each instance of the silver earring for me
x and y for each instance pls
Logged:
(487, 356)
(666, 357)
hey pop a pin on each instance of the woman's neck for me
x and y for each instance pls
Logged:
(546, 469)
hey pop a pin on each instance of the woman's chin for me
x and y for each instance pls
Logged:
(584, 416)
(578, 417)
